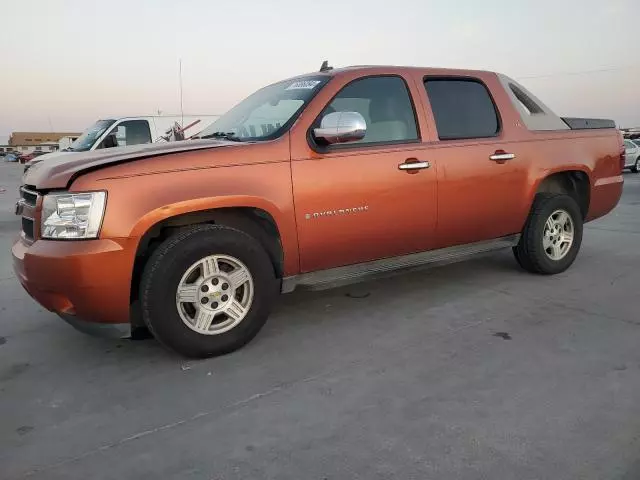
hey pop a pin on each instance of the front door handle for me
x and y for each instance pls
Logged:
(413, 164)
(501, 156)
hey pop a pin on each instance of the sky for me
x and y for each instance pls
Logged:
(66, 63)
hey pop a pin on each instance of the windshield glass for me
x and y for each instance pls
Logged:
(267, 113)
(90, 135)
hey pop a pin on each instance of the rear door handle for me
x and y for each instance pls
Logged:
(413, 164)
(501, 156)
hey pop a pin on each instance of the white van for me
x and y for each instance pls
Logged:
(123, 131)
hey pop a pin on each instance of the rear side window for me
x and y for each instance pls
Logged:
(462, 109)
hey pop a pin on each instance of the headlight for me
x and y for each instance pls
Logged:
(72, 215)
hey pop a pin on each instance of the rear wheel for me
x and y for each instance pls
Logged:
(552, 236)
(207, 291)
(636, 167)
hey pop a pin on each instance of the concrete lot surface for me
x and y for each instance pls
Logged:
(470, 371)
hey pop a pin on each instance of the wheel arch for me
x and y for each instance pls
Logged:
(257, 217)
(573, 182)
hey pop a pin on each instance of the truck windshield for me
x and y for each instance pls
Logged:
(267, 113)
(90, 135)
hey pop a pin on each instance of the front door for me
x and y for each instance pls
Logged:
(359, 201)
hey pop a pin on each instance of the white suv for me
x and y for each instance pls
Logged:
(632, 151)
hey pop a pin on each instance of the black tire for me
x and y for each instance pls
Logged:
(530, 253)
(162, 274)
(636, 166)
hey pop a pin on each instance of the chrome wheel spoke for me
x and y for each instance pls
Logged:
(562, 219)
(546, 242)
(235, 310)
(239, 277)
(567, 237)
(203, 319)
(550, 224)
(209, 266)
(187, 293)
(556, 251)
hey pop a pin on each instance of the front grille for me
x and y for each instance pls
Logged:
(27, 228)
(29, 197)
(29, 201)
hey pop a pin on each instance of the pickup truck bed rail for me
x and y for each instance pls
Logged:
(588, 123)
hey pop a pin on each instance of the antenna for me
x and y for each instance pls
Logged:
(325, 66)
(181, 104)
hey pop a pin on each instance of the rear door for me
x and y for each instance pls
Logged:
(356, 202)
(482, 176)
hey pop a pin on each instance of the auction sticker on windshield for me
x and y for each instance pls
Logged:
(303, 85)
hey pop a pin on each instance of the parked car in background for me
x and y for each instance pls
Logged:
(326, 178)
(632, 155)
(127, 131)
(26, 157)
(11, 157)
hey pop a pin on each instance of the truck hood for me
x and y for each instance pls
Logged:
(58, 171)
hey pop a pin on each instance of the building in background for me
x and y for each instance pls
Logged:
(38, 138)
(28, 142)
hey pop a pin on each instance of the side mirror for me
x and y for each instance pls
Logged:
(341, 127)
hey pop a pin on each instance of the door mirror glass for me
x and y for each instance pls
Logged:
(341, 127)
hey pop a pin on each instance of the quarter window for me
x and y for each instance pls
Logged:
(462, 109)
(384, 103)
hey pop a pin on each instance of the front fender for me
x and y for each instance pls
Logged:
(287, 231)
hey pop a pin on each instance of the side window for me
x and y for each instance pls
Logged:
(385, 105)
(462, 109)
(132, 132)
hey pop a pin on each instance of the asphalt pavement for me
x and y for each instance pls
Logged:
(475, 370)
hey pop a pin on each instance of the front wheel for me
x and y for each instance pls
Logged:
(207, 290)
(636, 167)
(552, 236)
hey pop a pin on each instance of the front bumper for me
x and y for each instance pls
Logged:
(105, 330)
(86, 282)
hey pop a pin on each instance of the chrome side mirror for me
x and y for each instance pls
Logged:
(341, 127)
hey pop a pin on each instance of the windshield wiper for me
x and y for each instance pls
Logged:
(226, 135)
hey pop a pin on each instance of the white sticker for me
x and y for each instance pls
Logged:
(303, 85)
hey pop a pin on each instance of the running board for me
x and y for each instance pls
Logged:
(335, 277)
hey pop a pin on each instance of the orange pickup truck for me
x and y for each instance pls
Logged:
(314, 181)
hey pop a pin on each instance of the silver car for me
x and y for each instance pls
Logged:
(632, 151)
